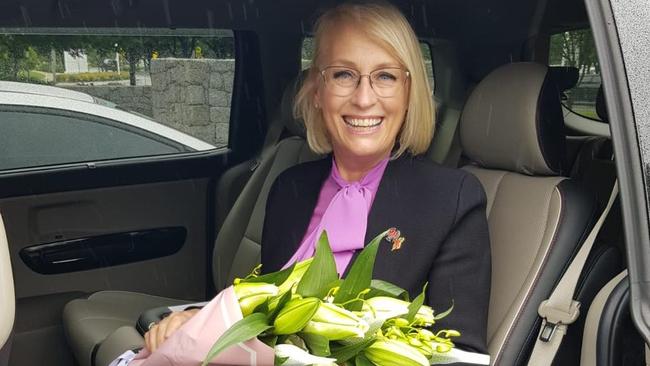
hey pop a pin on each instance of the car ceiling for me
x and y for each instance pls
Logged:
(465, 19)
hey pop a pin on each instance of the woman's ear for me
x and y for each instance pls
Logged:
(317, 103)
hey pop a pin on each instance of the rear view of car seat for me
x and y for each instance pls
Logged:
(7, 298)
(111, 315)
(513, 133)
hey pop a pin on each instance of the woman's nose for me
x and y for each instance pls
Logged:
(364, 96)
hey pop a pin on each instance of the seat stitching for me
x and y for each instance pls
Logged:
(507, 338)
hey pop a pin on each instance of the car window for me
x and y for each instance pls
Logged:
(308, 55)
(56, 137)
(576, 48)
(179, 79)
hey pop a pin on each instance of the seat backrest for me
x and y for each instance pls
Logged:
(512, 132)
(237, 247)
(7, 297)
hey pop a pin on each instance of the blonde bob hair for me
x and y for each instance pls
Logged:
(384, 24)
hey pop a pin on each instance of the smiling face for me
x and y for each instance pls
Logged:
(362, 127)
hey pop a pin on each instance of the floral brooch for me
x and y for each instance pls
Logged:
(394, 237)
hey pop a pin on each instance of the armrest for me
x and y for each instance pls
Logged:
(153, 316)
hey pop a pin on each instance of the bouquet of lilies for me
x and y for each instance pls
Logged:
(307, 315)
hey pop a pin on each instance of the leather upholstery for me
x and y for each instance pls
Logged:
(237, 248)
(123, 339)
(601, 106)
(537, 218)
(565, 77)
(87, 322)
(513, 121)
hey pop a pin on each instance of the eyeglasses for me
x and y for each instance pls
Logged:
(343, 81)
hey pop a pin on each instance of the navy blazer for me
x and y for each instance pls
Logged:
(440, 213)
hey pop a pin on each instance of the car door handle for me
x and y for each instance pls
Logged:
(103, 250)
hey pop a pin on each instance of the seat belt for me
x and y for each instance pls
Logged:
(560, 309)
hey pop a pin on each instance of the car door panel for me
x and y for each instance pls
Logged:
(117, 199)
(47, 218)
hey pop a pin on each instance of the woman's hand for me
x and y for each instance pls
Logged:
(166, 327)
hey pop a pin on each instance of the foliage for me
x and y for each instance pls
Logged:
(86, 77)
(575, 48)
(35, 77)
(20, 54)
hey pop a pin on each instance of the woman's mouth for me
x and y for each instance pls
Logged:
(363, 123)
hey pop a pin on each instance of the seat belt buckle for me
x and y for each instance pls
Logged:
(548, 329)
(554, 318)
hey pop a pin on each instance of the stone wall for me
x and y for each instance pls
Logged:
(193, 96)
(135, 98)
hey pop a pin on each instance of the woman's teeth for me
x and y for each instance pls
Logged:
(363, 122)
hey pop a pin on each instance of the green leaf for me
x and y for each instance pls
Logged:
(278, 361)
(360, 275)
(385, 288)
(321, 272)
(416, 304)
(318, 345)
(276, 278)
(444, 313)
(263, 307)
(243, 330)
(362, 360)
(283, 301)
(342, 353)
(270, 340)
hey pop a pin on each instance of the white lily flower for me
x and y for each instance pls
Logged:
(296, 356)
(384, 307)
(457, 355)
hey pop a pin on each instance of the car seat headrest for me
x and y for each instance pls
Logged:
(294, 125)
(513, 121)
(565, 77)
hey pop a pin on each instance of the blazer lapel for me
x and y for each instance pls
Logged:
(381, 217)
(300, 203)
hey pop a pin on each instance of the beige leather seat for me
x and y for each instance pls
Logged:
(107, 318)
(513, 133)
(7, 298)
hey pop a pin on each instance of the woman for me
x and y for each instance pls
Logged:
(366, 100)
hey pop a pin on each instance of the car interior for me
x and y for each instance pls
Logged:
(92, 246)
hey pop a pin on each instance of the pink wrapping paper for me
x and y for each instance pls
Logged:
(189, 345)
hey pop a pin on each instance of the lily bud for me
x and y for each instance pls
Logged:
(336, 323)
(296, 275)
(391, 352)
(252, 294)
(295, 315)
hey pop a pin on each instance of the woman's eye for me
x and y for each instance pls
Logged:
(343, 75)
(385, 76)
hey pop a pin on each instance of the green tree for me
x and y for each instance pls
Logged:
(575, 48)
